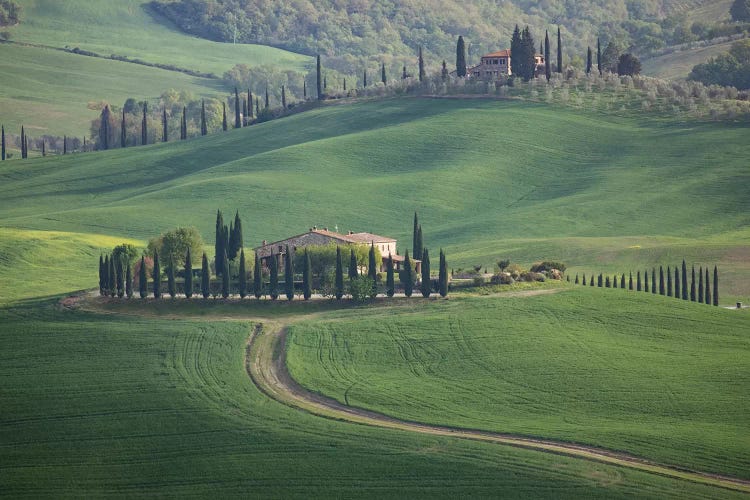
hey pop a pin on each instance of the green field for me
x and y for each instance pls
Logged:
(678, 65)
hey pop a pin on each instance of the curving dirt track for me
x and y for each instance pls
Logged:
(266, 366)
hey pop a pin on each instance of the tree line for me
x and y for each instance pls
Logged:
(670, 282)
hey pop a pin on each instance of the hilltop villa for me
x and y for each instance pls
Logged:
(497, 65)
(317, 237)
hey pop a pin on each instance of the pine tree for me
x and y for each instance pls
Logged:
(2, 153)
(257, 278)
(171, 286)
(204, 126)
(164, 126)
(692, 286)
(460, 57)
(123, 132)
(319, 79)
(205, 277)
(677, 293)
(307, 277)
(339, 279)
(353, 272)
(383, 77)
(559, 51)
(288, 275)
(142, 280)
(407, 276)
(237, 238)
(243, 275)
(224, 124)
(426, 285)
(144, 126)
(599, 57)
(716, 287)
(645, 282)
(157, 276)
(225, 276)
(188, 275)
(119, 276)
(112, 279)
(183, 130)
(669, 282)
(614, 281)
(422, 74)
(128, 282)
(589, 60)
(443, 276)
(237, 116)
(390, 285)
(591, 283)
(547, 63)
(630, 281)
(273, 285)
(684, 281)
(584, 279)
(700, 285)
(219, 242)
(639, 287)
(283, 97)
(707, 292)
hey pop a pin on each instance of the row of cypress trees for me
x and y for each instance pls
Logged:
(670, 284)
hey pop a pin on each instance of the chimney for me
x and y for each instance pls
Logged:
(325, 229)
(265, 243)
(315, 228)
(351, 232)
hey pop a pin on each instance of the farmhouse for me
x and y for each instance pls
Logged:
(317, 237)
(497, 65)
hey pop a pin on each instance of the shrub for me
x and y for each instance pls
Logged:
(502, 279)
(547, 266)
(478, 281)
(361, 288)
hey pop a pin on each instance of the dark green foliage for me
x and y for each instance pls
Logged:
(692, 285)
(235, 237)
(156, 275)
(204, 127)
(319, 78)
(607, 282)
(307, 277)
(250, 104)
(639, 286)
(128, 282)
(237, 115)
(244, 113)
(426, 285)
(611, 57)
(268, 101)
(645, 282)
(700, 285)
(273, 285)
(584, 279)
(591, 282)
(684, 281)
(716, 286)
(383, 76)
(414, 235)
(460, 57)
(599, 280)
(407, 276)
(65, 144)
(219, 241)
(205, 277)
(258, 278)
(243, 276)
(404, 74)
(257, 106)
(677, 292)
(120, 278)
(662, 290)
(105, 129)
(304, 89)
(599, 56)
(707, 293)
(183, 124)
(144, 125)
(339, 279)
(547, 64)
(622, 281)
(25, 144)
(353, 272)
(630, 281)
(653, 280)
(225, 277)
(188, 275)
(669, 282)
(101, 274)
(740, 10)
(390, 285)
(577, 281)
(443, 276)
(283, 97)
(420, 246)
(614, 282)
(289, 274)
(628, 64)
(164, 126)
(171, 286)
(372, 265)
(142, 280)
(364, 78)
(123, 132)
(112, 278)
(730, 69)
(522, 49)
(422, 74)
(559, 51)
(589, 60)
(224, 124)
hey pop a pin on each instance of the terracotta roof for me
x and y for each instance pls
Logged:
(399, 258)
(499, 53)
(354, 238)
(368, 238)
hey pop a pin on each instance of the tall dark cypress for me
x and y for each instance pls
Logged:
(559, 51)
(171, 285)
(268, 101)
(390, 285)
(414, 235)
(407, 276)
(460, 57)
(101, 274)
(622, 281)
(443, 276)
(283, 97)
(614, 281)
(364, 80)
(104, 129)
(684, 281)
(112, 279)
(142, 280)
(383, 77)
(237, 238)
(325, 83)
(344, 84)
(44, 147)
(404, 75)
(119, 276)
(339, 278)
(128, 281)
(677, 292)
(188, 274)
(639, 286)
(257, 106)
(244, 112)
(591, 283)
(669, 282)
(577, 280)
(249, 105)
(204, 125)
(372, 266)
(599, 280)
(716, 287)
(547, 63)
(307, 277)
(289, 274)
(164, 126)
(599, 59)
(444, 71)
(23, 143)
(304, 89)
(692, 285)
(65, 144)
(156, 275)
(420, 246)
(426, 285)
(219, 241)
(607, 283)
(700, 285)
(183, 128)
(653, 280)
(205, 277)
(105, 276)
(2, 154)
(707, 292)
(319, 79)
(589, 60)
(353, 272)
(123, 131)
(243, 276)
(225, 277)
(257, 278)
(237, 117)
(630, 282)
(645, 282)
(422, 74)
(224, 124)
(144, 126)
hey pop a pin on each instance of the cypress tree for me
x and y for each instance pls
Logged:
(257, 106)
(225, 276)
(684, 281)
(407, 276)
(244, 112)
(444, 71)
(120, 278)
(204, 126)
(692, 285)
(44, 147)
(383, 77)
(2, 154)
(224, 124)
(319, 79)
(390, 285)
(404, 76)
(599, 58)
(157, 276)
(243, 275)
(426, 285)
(662, 291)
(283, 97)
(639, 287)
(365, 78)
(23, 143)
(630, 281)
(304, 89)
(142, 285)
(599, 280)
(104, 130)
(614, 281)
(123, 132)
(607, 283)
(353, 272)
(559, 51)
(219, 242)
(205, 277)
(547, 63)
(461, 57)
(65, 144)
(188, 274)
(273, 285)
(144, 126)
(237, 239)
(707, 292)
(716, 287)
(171, 286)
(165, 126)
(105, 276)
(288, 275)
(653, 280)
(584, 279)
(700, 285)
(339, 280)
(128, 282)
(414, 235)
(420, 246)
(101, 274)
(577, 281)
(267, 98)
(250, 104)
(183, 130)
(589, 61)
(677, 283)
(421, 66)
(257, 278)
(307, 277)
(237, 117)
(372, 266)
(325, 83)
(516, 49)
(443, 276)
(622, 281)
(112, 279)
(591, 283)
(645, 282)
(669, 281)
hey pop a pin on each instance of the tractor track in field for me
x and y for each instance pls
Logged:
(266, 366)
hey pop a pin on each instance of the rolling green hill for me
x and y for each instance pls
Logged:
(678, 65)
(490, 179)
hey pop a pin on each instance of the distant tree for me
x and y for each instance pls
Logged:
(577, 281)
(106, 129)
(591, 282)
(188, 274)
(443, 276)
(639, 286)
(24, 144)
(112, 279)
(353, 272)
(164, 126)
(599, 280)
(414, 235)
(289, 274)
(171, 286)
(250, 105)
(589, 61)
(669, 282)
(645, 282)
(257, 106)
(144, 126)
(242, 285)
(460, 57)
(707, 293)
(630, 282)
(628, 64)
(422, 74)
(65, 144)
(325, 83)
(157, 276)
(364, 78)
(653, 280)
(677, 288)
(307, 277)
(607, 282)
(716, 286)
(559, 51)
(584, 280)
(319, 79)
(2, 154)
(426, 285)
(383, 76)
(204, 126)
(273, 285)
(44, 147)
(268, 102)
(142, 280)
(219, 242)
(183, 125)
(390, 285)
(235, 237)
(339, 279)
(611, 57)
(547, 64)
(101, 274)
(692, 285)
(257, 278)
(119, 276)
(205, 277)
(304, 89)
(614, 281)
(372, 269)
(684, 281)
(128, 282)
(224, 124)
(344, 84)
(225, 276)
(404, 75)
(407, 276)
(244, 113)
(420, 245)
(622, 281)
(740, 10)
(700, 285)
(123, 132)
(104, 288)
(283, 97)
(444, 71)
(237, 116)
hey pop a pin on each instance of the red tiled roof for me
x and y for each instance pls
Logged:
(499, 53)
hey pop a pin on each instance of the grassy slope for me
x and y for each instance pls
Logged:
(678, 65)
(639, 373)
(615, 194)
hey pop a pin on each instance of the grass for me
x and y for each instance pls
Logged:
(609, 368)
(678, 65)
